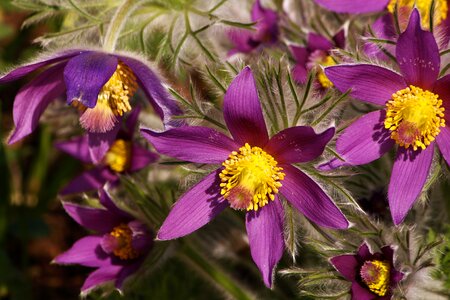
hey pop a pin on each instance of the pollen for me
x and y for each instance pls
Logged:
(424, 7)
(123, 246)
(250, 178)
(112, 101)
(376, 275)
(323, 79)
(414, 117)
(118, 157)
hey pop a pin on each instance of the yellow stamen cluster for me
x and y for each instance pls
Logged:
(124, 248)
(376, 275)
(424, 6)
(113, 101)
(414, 117)
(118, 157)
(323, 79)
(250, 178)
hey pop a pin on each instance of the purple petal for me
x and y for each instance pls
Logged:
(382, 28)
(86, 252)
(100, 220)
(442, 90)
(368, 83)
(194, 209)
(109, 204)
(126, 272)
(361, 293)
(443, 141)
(318, 42)
(100, 142)
(364, 253)
(418, 54)
(76, 147)
(265, 235)
(132, 120)
(364, 141)
(354, 6)
(22, 71)
(33, 99)
(408, 177)
(347, 265)
(163, 104)
(298, 144)
(339, 39)
(86, 74)
(141, 158)
(89, 181)
(192, 143)
(308, 198)
(242, 111)
(100, 276)
(300, 55)
(266, 26)
(300, 74)
(142, 239)
(242, 41)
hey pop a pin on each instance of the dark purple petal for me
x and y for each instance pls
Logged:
(368, 83)
(242, 111)
(362, 142)
(266, 26)
(408, 177)
(100, 276)
(300, 55)
(126, 272)
(86, 252)
(298, 144)
(89, 181)
(242, 41)
(443, 141)
(163, 104)
(309, 198)
(364, 253)
(396, 277)
(142, 238)
(318, 42)
(361, 293)
(299, 74)
(141, 158)
(86, 74)
(192, 143)
(265, 235)
(100, 142)
(354, 6)
(99, 220)
(418, 54)
(194, 209)
(383, 28)
(33, 98)
(442, 90)
(339, 39)
(24, 70)
(109, 204)
(76, 147)
(132, 120)
(347, 265)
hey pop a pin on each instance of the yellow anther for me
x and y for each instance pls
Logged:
(424, 7)
(124, 237)
(323, 79)
(118, 157)
(376, 275)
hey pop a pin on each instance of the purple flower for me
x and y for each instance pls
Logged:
(314, 55)
(354, 6)
(124, 156)
(254, 169)
(118, 248)
(373, 276)
(245, 41)
(413, 116)
(99, 84)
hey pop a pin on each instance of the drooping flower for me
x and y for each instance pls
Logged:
(254, 170)
(125, 156)
(415, 115)
(316, 54)
(245, 41)
(118, 248)
(373, 276)
(99, 84)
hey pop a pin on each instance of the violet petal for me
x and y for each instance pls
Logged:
(354, 6)
(86, 252)
(99, 220)
(76, 147)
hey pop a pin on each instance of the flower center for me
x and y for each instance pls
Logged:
(376, 275)
(424, 7)
(118, 156)
(414, 117)
(250, 178)
(112, 101)
(323, 79)
(119, 242)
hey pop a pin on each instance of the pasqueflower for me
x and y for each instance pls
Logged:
(354, 6)
(117, 248)
(99, 84)
(373, 276)
(254, 170)
(415, 115)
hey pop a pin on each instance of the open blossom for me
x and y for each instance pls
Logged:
(414, 117)
(316, 54)
(117, 248)
(267, 31)
(373, 276)
(254, 170)
(99, 84)
(125, 156)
